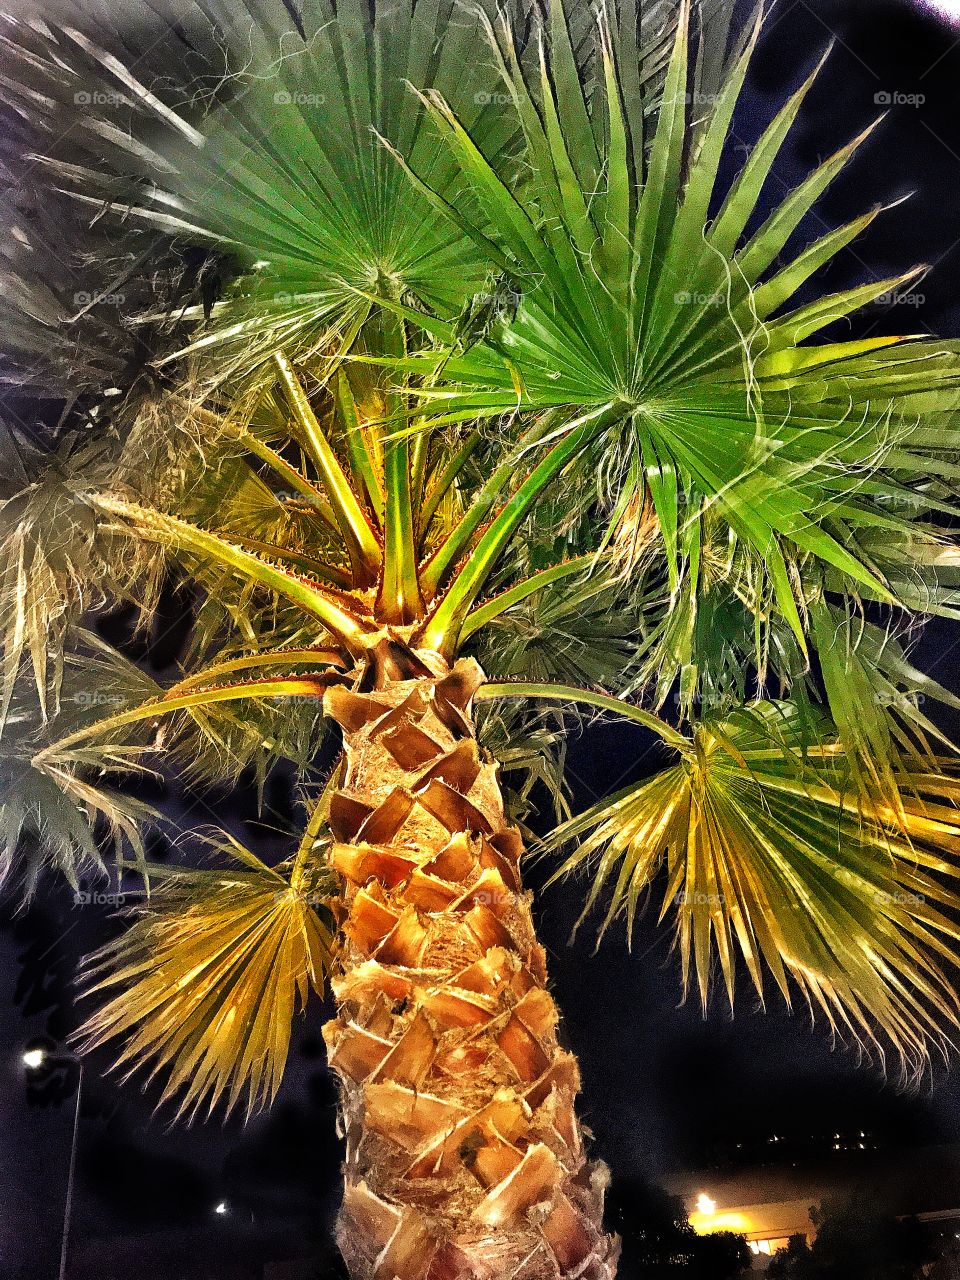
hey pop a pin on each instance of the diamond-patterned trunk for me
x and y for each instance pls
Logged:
(464, 1158)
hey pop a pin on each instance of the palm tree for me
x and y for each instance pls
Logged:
(500, 406)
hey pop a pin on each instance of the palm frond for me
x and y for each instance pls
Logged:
(210, 974)
(310, 597)
(216, 741)
(70, 287)
(571, 633)
(261, 141)
(875, 697)
(530, 751)
(713, 637)
(756, 845)
(187, 118)
(66, 813)
(55, 562)
(720, 403)
(115, 722)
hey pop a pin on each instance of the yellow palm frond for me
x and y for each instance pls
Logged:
(762, 849)
(206, 981)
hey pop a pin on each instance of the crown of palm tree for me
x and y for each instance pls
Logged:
(504, 368)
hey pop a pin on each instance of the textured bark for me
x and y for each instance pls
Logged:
(463, 1154)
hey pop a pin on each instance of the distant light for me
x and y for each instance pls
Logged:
(948, 8)
(33, 1059)
(222, 1207)
(705, 1204)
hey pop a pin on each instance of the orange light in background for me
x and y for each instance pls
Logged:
(705, 1220)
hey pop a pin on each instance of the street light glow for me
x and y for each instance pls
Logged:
(221, 1208)
(706, 1205)
(34, 1059)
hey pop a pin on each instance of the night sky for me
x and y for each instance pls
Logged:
(664, 1089)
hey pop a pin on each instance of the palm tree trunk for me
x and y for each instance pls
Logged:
(464, 1159)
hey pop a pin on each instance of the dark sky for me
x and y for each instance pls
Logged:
(664, 1088)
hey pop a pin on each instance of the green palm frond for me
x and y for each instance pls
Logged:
(530, 750)
(193, 128)
(755, 843)
(716, 639)
(676, 330)
(876, 698)
(211, 974)
(274, 163)
(571, 632)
